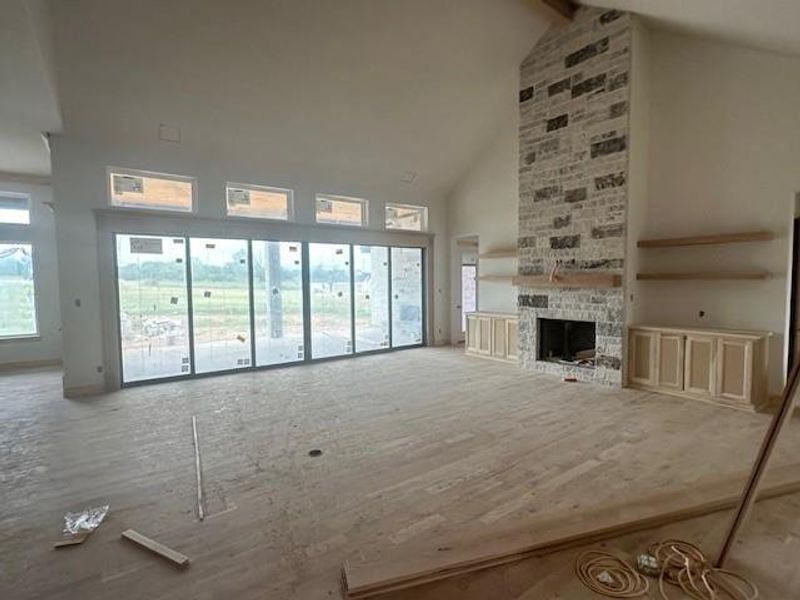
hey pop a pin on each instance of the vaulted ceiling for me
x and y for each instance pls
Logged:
(28, 104)
(374, 88)
(772, 25)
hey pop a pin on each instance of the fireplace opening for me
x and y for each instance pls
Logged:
(567, 342)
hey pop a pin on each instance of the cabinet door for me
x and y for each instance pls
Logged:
(641, 357)
(512, 351)
(670, 361)
(471, 342)
(484, 335)
(499, 339)
(700, 360)
(734, 369)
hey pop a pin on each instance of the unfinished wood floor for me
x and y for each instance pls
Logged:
(415, 443)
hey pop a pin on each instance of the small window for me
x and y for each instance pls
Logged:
(15, 208)
(340, 210)
(154, 191)
(259, 202)
(405, 216)
(18, 316)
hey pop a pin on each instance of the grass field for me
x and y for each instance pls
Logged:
(222, 309)
(17, 307)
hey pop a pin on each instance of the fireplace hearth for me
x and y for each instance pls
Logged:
(567, 342)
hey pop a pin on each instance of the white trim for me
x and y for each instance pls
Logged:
(362, 201)
(111, 170)
(290, 211)
(423, 209)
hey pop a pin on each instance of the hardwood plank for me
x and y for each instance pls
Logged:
(408, 567)
(705, 275)
(405, 435)
(71, 541)
(583, 280)
(754, 482)
(707, 240)
(157, 548)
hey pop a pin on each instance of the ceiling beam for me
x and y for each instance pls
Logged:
(566, 8)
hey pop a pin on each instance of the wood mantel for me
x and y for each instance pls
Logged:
(576, 280)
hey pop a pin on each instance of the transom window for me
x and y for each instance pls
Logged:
(341, 210)
(152, 191)
(17, 297)
(259, 202)
(406, 216)
(15, 208)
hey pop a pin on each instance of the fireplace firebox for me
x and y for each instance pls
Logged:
(567, 342)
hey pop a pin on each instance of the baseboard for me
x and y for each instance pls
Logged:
(30, 364)
(83, 391)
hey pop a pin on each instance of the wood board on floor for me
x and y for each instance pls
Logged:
(408, 566)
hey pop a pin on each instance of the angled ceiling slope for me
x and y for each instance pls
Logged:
(28, 104)
(771, 25)
(367, 88)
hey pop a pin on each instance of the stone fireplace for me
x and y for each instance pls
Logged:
(573, 175)
(567, 342)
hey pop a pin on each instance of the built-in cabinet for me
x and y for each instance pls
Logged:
(492, 335)
(724, 366)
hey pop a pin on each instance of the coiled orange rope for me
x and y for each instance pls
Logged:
(680, 564)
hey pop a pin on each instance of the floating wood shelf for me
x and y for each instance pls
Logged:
(466, 243)
(496, 278)
(499, 253)
(708, 240)
(717, 275)
(583, 280)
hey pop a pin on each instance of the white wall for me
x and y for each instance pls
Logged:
(484, 203)
(724, 156)
(41, 233)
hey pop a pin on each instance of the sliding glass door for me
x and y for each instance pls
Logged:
(278, 302)
(331, 308)
(200, 305)
(371, 275)
(406, 297)
(220, 304)
(153, 307)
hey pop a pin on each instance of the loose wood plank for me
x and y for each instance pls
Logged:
(71, 541)
(594, 280)
(153, 546)
(708, 240)
(407, 567)
(750, 493)
(715, 275)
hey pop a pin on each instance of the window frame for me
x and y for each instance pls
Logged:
(111, 170)
(290, 211)
(424, 209)
(37, 334)
(28, 204)
(336, 197)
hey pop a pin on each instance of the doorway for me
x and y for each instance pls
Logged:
(465, 284)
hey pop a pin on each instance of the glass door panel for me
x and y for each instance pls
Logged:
(406, 296)
(371, 274)
(331, 318)
(469, 292)
(278, 299)
(220, 304)
(153, 307)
